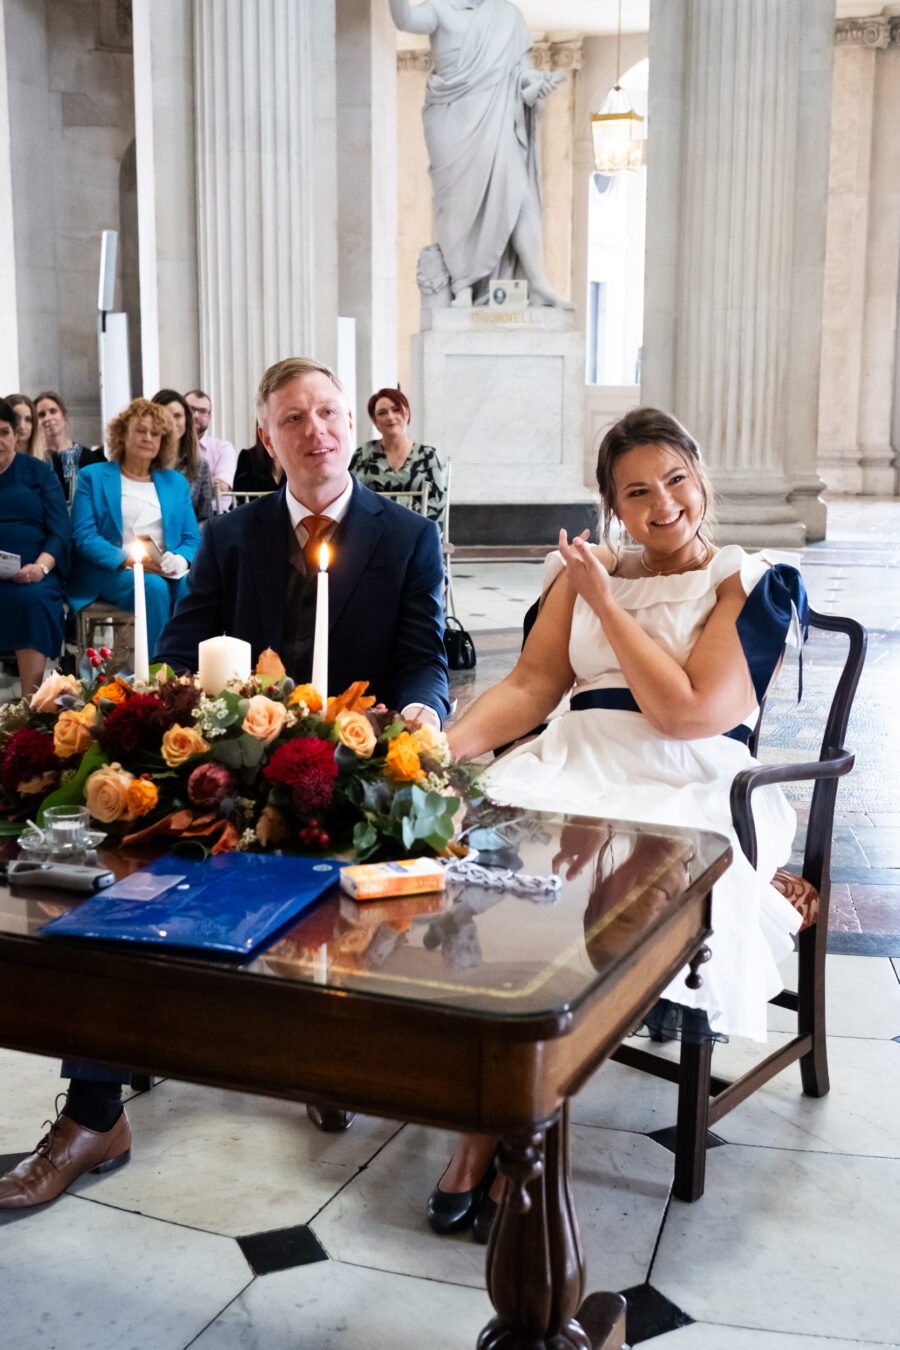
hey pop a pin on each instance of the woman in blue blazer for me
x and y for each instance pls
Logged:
(134, 495)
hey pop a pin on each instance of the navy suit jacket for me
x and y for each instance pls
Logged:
(386, 615)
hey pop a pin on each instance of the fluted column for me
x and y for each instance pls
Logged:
(557, 134)
(737, 183)
(266, 193)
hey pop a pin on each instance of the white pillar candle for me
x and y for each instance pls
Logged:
(141, 652)
(320, 641)
(220, 659)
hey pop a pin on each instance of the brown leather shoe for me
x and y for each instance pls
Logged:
(62, 1156)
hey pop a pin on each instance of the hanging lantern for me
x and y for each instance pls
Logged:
(617, 130)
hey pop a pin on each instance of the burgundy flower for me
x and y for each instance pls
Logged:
(136, 724)
(181, 696)
(28, 754)
(209, 784)
(306, 765)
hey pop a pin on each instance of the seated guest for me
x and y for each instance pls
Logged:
(220, 455)
(188, 460)
(34, 524)
(395, 463)
(66, 455)
(252, 579)
(29, 440)
(136, 495)
(256, 470)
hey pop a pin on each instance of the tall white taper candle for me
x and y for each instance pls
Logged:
(141, 653)
(320, 640)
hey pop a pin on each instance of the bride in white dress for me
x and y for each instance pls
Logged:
(666, 649)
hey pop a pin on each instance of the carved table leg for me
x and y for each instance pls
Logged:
(535, 1264)
(331, 1119)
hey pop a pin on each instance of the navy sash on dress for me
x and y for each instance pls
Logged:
(624, 701)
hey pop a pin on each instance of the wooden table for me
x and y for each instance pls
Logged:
(475, 1009)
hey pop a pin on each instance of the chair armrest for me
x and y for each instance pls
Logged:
(745, 782)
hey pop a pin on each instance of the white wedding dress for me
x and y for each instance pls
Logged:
(607, 762)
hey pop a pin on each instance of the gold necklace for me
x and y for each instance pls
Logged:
(697, 561)
(134, 477)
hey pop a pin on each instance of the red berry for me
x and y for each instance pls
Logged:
(90, 653)
(96, 662)
(324, 840)
(105, 653)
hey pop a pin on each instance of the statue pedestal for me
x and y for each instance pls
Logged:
(501, 394)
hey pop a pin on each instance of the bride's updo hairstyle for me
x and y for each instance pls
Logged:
(647, 426)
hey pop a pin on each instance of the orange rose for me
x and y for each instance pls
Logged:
(306, 693)
(116, 692)
(44, 700)
(355, 731)
(141, 797)
(71, 735)
(432, 743)
(403, 758)
(106, 793)
(180, 744)
(264, 718)
(269, 663)
(351, 700)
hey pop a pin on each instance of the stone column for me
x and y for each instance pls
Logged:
(367, 191)
(739, 118)
(9, 318)
(166, 196)
(557, 157)
(266, 193)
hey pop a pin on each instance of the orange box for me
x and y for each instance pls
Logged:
(374, 881)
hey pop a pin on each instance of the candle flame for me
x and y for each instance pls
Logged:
(324, 558)
(138, 552)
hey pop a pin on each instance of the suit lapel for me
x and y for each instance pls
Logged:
(355, 540)
(268, 549)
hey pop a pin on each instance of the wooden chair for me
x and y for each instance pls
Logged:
(414, 499)
(102, 615)
(241, 498)
(702, 1098)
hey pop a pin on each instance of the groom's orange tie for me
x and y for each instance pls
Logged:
(318, 529)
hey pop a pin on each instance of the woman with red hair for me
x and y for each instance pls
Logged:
(395, 463)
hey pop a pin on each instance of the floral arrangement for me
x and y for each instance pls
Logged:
(262, 765)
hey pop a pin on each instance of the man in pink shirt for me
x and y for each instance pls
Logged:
(220, 455)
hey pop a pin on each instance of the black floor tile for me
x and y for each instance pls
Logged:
(650, 1314)
(666, 1137)
(281, 1249)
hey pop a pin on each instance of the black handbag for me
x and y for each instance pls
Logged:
(459, 645)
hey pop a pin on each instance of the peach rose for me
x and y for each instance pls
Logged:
(180, 744)
(308, 694)
(264, 719)
(403, 758)
(432, 743)
(44, 700)
(71, 735)
(141, 796)
(355, 731)
(106, 793)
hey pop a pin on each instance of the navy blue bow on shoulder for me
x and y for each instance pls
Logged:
(777, 603)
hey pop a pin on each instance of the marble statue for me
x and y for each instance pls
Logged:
(480, 120)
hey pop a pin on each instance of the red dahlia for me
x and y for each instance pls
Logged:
(136, 724)
(28, 754)
(306, 765)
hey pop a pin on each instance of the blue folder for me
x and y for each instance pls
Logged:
(231, 904)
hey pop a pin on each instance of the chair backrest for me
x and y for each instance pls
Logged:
(414, 499)
(445, 522)
(241, 498)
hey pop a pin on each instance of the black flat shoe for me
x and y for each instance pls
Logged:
(484, 1218)
(451, 1211)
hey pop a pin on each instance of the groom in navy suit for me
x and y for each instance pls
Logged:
(254, 574)
(254, 578)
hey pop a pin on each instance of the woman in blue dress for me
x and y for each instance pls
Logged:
(34, 525)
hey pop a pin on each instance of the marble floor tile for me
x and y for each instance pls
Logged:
(31, 1084)
(877, 907)
(881, 845)
(621, 1184)
(842, 915)
(81, 1276)
(703, 1336)
(781, 1238)
(231, 1163)
(862, 997)
(333, 1306)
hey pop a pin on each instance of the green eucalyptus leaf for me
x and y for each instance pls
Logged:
(252, 750)
(227, 753)
(71, 793)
